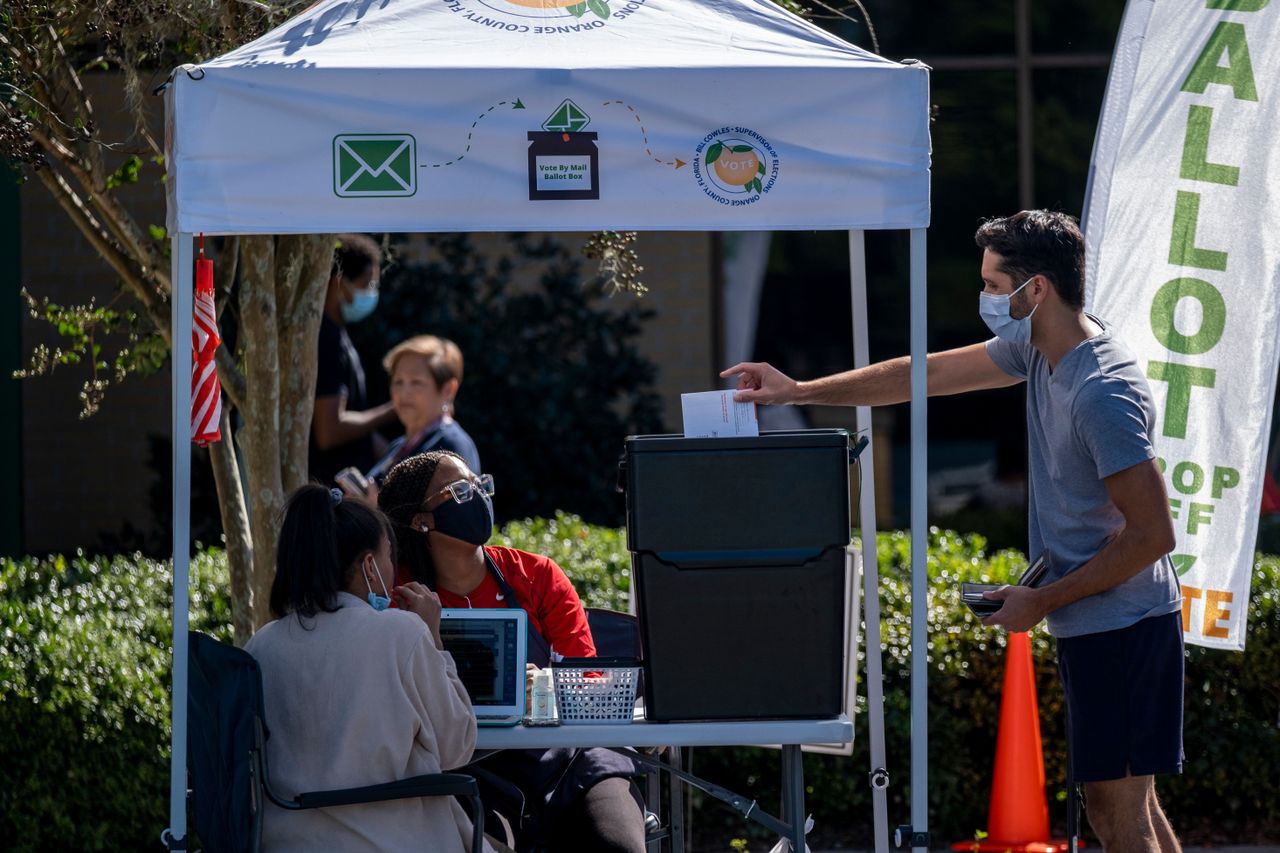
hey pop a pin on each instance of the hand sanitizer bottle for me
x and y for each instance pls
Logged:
(543, 710)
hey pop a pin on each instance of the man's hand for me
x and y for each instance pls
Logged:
(1138, 492)
(1022, 609)
(416, 598)
(761, 383)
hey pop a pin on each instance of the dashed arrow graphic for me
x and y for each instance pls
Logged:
(517, 104)
(676, 162)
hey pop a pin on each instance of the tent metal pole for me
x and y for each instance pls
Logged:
(878, 776)
(919, 544)
(180, 304)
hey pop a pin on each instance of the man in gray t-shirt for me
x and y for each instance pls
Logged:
(1098, 509)
(1087, 419)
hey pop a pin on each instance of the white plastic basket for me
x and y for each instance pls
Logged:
(596, 691)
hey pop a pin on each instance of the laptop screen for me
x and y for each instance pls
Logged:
(485, 650)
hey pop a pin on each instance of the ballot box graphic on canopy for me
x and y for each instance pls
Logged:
(564, 163)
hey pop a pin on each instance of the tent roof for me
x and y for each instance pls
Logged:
(620, 34)
(503, 115)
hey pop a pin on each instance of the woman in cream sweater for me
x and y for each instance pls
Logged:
(356, 694)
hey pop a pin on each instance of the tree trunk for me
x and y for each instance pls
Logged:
(261, 410)
(281, 297)
(235, 526)
(300, 300)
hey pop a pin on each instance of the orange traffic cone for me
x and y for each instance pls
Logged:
(1019, 816)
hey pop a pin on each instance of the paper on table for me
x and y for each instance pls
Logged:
(714, 414)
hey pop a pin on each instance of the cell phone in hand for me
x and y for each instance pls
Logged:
(1036, 571)
(971, 595)
(352, 481)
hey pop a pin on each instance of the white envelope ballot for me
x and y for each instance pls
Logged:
(714, 414)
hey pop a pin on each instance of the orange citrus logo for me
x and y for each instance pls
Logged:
(577, 8)
(543, 17)
(735, 166)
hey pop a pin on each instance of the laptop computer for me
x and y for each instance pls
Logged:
(488, 646)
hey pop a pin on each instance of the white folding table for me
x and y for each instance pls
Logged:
(627, 737)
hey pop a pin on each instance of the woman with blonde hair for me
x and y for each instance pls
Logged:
(426, 372)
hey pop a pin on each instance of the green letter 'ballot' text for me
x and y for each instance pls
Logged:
(1213, 315)
(1228, 37)
(1195, 151)
(1181, 378)
(1237, 5)
(1183, 251)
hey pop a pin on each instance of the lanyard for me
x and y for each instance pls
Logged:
(539, 648)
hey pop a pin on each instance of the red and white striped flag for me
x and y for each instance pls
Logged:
(206, 392)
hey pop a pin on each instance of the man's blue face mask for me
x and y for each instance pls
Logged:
(360, 306)
(994, 309)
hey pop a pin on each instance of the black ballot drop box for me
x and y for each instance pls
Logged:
(738, 564)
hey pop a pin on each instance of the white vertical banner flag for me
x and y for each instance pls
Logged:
(1183, 235)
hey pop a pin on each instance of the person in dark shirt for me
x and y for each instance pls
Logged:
(342, 424)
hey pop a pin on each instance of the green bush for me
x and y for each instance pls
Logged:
(84, 727)
(596, 558)
(85, 673)
(84, 708)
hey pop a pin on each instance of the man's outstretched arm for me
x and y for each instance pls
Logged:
(952, 371)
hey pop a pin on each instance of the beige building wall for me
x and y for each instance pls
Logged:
(680, 339)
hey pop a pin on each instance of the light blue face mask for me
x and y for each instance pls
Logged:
(994, 309)
(377, 602)
(360, 306)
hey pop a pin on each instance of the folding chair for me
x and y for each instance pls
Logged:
(616, 635)
(227, 757)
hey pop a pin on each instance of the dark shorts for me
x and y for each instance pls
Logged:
(1124, 699)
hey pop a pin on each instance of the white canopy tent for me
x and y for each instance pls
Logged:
(546, 115)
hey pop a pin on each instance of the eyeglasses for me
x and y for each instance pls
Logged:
(464, 490)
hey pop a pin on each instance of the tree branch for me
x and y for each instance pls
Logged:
(83, 105)
(262, 405)
(119, 219)
(235, 526)
(42, 97)
(224, 276)
(231, 377)
(300, 285)
(106, 247)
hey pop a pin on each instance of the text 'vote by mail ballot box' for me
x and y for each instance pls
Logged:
(738, 558)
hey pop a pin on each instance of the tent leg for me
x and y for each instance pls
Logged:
(180, 319)
(878, 776)
(919, 545)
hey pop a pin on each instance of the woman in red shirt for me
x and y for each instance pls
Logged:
(579, 799)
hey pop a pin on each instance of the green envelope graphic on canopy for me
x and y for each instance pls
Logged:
(374, 164)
